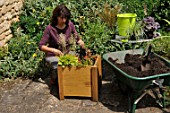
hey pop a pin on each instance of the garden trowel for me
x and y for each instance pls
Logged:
(146, 63)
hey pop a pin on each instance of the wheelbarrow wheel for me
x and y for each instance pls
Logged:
(123, 88)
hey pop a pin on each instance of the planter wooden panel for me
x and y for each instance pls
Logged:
(80, 81)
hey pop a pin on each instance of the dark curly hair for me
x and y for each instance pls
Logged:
(60, 10)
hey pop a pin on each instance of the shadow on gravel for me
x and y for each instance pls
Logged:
(42, 75)
(110, 95)
(112, 98)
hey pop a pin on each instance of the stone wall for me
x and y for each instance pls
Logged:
(9, 12)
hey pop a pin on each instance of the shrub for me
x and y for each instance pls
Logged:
(162, 11)
(162, 46)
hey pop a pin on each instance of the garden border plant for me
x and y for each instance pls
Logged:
(23, 57)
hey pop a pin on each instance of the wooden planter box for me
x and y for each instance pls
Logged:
(80, 81)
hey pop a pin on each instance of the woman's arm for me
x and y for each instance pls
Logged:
(53, 50)
(78, 40)
(43, 42)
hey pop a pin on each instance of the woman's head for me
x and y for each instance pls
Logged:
(60, 11)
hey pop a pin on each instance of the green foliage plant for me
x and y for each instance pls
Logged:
(166, 21)
(108, 15)
(162, 11)
(141, 7)
(136, 32)
(162, 46)
(23, 57)
(97, 38)
(35, 15)
(3, 51)
(166, 33)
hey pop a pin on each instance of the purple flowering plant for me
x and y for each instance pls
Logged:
(150, 27)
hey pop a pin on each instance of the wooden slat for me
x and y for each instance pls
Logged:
(99, 70)
(94, 84)
(60, 83)
(99, 65)
(77, 82)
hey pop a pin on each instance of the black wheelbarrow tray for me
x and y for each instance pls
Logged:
(136, 86)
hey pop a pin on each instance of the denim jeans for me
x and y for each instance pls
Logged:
(52, 62)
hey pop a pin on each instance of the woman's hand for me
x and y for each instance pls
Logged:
(81, 44)
(57, 52)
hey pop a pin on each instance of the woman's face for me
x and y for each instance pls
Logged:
(61, 20)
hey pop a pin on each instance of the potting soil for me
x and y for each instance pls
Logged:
(132, 65)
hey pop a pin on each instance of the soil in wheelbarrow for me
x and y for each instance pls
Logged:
(132, 66)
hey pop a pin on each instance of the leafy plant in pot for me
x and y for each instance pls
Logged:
(73, 60)
(136, 32)
(78, 74)
(74, 57)
(150, 27)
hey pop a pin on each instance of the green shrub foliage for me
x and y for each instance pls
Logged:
(23, 57)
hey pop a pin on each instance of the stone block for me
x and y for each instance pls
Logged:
(2, 2)
(3, 11)
(2, 19)
(2, 43)
(2, 36)
(8, 16)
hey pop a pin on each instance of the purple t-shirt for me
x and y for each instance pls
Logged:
(52, 37)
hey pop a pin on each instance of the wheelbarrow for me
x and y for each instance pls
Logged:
(137, 87)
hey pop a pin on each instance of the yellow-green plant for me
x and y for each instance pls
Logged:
(72, 60)
(166, 21)
(68, 60)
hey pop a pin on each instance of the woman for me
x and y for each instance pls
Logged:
(56, 38)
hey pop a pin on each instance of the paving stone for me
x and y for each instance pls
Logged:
(27, 96)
